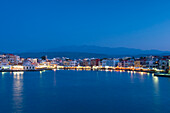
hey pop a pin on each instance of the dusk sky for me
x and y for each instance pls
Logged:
(37, 25)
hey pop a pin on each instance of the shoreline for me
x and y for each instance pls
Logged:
(83, 68)
(158, 74)
(19, 70)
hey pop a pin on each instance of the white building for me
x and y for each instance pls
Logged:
(110, 62)
(28, 65)
(73, 63)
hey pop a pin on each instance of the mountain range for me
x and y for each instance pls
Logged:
(106, 50)
(92, 51)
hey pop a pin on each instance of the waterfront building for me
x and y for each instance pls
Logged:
(107, 62)
(73, 63)
(137, 63)
(27, 65)
(66, 63)
(130, 63)
(17, 67)
(14, 62)
(125, 63)
(4, 62)
(152, 64)
(164, 64)
(143, 62)
(169, 65)
(12, 59)
(95, 62)
(5, 67)
(110, 62)
(86, 62)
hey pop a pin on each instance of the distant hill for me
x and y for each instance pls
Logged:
(107, 50)
(92, 51)
(2, 52)
(71, 55)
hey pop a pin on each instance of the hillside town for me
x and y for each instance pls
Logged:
(10, 62)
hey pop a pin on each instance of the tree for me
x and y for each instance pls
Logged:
(43, 57)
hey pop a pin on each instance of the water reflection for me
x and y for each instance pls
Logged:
(55, 78)
(141, 77)
(156, 90)
(156, 85)
(17, 91)
(41, 72)
(3, 73)
(131, 77)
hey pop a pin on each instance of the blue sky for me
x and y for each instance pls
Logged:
(41, 24)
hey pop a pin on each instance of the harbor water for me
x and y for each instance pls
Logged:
(75, 91)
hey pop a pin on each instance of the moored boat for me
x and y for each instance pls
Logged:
(162, 74)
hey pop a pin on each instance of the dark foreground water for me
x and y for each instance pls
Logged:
(71, 91)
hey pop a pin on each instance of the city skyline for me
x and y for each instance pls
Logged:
(35, 25)
(84, 56)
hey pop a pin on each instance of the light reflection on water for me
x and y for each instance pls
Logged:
(17, 91)
(3, 73)
(131, 77)
(54, 77)
(156, 84)
(41, 72)
(150, 85)
(156, 92)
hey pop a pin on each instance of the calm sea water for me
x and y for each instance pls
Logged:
(68, 91)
